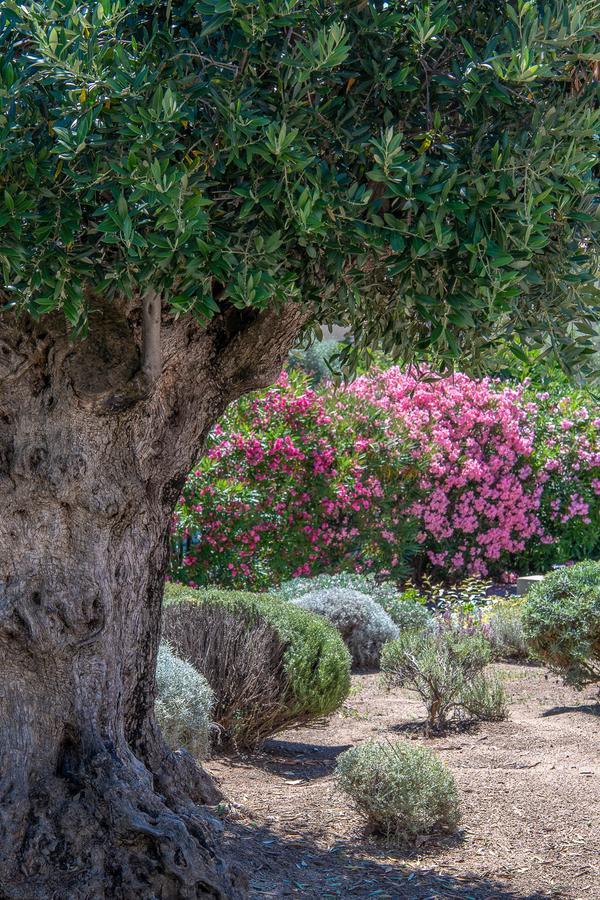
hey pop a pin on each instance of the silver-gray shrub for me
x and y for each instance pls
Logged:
(404, 790)
(406, 608)
(363, 624)
(366, 584)
(183, 704)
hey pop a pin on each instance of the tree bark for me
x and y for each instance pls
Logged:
(96, 439)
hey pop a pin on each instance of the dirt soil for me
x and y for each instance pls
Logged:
(529, 786)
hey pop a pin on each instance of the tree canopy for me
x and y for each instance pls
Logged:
(423, 172)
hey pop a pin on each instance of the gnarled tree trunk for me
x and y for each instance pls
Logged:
(95, 444)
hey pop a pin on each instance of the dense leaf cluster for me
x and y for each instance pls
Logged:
(421, 171)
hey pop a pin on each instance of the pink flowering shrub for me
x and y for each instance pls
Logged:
(296, 482)
(511, 479)
(566, 459)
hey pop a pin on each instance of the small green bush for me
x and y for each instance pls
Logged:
(484, 697)
(364, 626)
(271, 665)
(503, 626)
(409, 613)
(184, 704)
(561, 618)
(438, 666)
(403, 789)
(313, 360)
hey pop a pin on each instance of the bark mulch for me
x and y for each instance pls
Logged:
(530, 793)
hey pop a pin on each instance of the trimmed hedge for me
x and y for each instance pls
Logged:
(270, 664)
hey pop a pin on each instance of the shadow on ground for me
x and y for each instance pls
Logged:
(290, 759)
(452, 726)
(279, 868)
(591, 709)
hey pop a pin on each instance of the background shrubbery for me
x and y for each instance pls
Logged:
(467, 476)
(270, 664)
(363, 624)
(562, 622)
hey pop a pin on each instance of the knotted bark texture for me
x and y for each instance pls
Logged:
(94, 451)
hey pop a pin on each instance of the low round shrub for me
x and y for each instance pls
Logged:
(403, 789)
(561, 617)
(503, 625)
(271, 665)
(381, 591)
(484, 698)
(438, 666)
(364, 626)
(407, 608)
(184, 703)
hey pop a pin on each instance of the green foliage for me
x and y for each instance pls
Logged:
(423, 173)
(439, 667)
(484, 698)
(403, 789)
(561, 617)
(184, 704)
(271, 664)
(315, 360)
(408, 611)
(503, 625)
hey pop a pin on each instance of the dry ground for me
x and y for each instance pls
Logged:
(530, 792)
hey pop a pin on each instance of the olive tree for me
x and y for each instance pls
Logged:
(184, 187)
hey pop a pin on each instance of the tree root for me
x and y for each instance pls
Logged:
(101, 832)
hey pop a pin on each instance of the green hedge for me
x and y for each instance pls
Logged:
(270, 664)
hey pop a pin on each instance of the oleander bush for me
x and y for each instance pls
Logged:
(464, 477)
(364, 626)
(184, 703)
(404, 790)
(512, 474)
(295, 482)
(270, 663)
(439, 666)
(561, 618)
